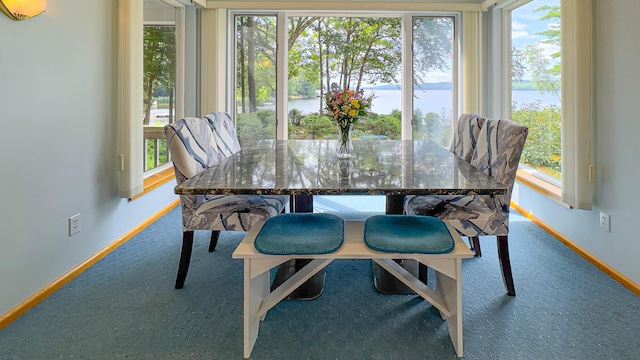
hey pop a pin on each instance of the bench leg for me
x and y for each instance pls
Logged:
(259, 298)
(255, 291)
(447, 297)
(450, 290)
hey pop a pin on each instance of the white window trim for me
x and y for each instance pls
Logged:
(282, 71)
(471, 64)
(577, 103)
(406, 120)
(130, 97)
(341, 5)
(130, 149)
(577, 96)
(281, 75)
(179, 109)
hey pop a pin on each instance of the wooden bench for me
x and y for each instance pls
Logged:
(258, 298)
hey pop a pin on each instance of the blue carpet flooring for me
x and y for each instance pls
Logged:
(125, 306)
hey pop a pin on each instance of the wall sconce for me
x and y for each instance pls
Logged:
(22, 9)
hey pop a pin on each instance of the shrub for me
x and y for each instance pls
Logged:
(385, 125)
(318, 126)
(252, 127)
(542, 148)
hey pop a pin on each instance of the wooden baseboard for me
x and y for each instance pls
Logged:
(36, 298)
(605, 268)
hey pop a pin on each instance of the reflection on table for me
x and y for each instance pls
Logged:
(311, 167)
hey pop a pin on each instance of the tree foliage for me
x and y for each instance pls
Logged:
(159, 65)
(432, 45)
(543, 147)
(350, 51)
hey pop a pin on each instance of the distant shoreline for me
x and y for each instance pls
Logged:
(387, 101)
(523, 85)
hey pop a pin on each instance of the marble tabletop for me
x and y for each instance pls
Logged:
(311, 167)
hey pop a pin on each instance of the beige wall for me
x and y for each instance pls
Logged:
(58, 145)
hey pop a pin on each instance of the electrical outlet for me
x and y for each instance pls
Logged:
(605, 221)
(74, 224)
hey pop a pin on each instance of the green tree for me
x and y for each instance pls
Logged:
(348, 50)
(256, 49)
(432, 45)
(518, 64)
(251, 127)
(159, 66)
(361, 49)
(295, 117)
(385, 125)
(542, 149)
(318, 126)
(544, 75)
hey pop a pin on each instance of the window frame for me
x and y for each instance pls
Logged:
(179, 28)
(528, 176)
(164, 173)
(406, 17)
(134, 181)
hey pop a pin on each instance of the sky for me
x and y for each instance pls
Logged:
(525, 25)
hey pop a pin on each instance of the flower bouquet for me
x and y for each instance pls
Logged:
(346, 106)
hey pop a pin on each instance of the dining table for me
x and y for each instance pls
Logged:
(304, 168)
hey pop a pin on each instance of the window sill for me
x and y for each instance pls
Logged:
(156, 180)
(545, 188)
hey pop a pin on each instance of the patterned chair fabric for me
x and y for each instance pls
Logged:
(196, 144)
(499, 146)
(465, 135)
(224, 132)
(465, 138)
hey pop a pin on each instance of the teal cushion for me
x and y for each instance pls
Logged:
(407, 234)
(300, 233)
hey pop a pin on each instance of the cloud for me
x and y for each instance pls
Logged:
(548, 49)
(518, 26)
(520, 34)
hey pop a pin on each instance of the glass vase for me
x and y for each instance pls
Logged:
(345, 148)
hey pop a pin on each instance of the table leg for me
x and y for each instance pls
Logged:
(313, 287)
(301, 203)
(383, 281)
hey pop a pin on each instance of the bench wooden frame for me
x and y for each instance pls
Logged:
(259, 299)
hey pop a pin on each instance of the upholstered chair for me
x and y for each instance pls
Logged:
(196, 144)
(497, 153)
(465, 137)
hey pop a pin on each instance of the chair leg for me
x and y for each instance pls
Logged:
(475, 246)
(505, 265)
(215, 234)
(185, 258)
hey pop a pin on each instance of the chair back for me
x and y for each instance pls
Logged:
(465, 135)
(224, 132)
(499, 146)
(192, 146)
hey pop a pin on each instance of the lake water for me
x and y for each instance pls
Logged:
(386, 101)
